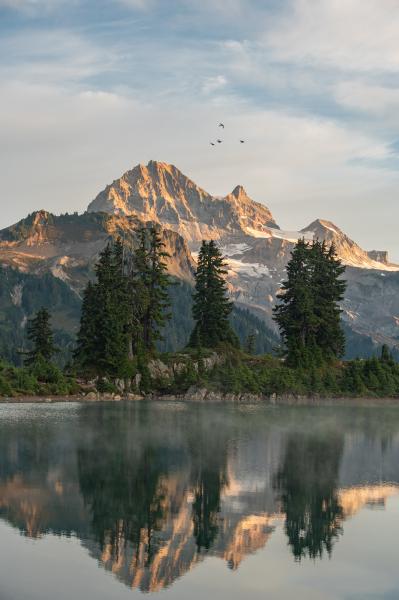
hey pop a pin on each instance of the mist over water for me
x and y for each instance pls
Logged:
(111, 500)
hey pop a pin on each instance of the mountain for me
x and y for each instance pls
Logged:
(160, 192)
(68, 245)
(64, 248)
(349, 252)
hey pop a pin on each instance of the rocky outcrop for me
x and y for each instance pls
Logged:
(158, 370)
(380, 256)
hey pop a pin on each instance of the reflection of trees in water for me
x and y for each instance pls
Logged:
(308, 481)
(121, 485)
(125, 478)
(124, 496)
(208, 456)
(152, 480)
(24, 451)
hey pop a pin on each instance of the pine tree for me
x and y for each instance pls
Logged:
(41, 337)
(85, 354)
(250, 343)
(138, 290)
(102, 346)
(156, 314)
(328, 291)
(309, 313)
(294, 315)
(112, 312)
(386, 356)
(211, 306)
(149, 283)
(124, 311)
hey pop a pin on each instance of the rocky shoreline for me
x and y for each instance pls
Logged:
(205, 396)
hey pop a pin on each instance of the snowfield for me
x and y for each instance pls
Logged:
(253, 270)
(289, 236)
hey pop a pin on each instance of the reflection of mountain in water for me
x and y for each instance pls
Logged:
(151, 490)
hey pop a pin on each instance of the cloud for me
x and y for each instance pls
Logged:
(137, 4)
(375, 99)
(33, 7)
(52, 55)
(357, 35)
(213, 84)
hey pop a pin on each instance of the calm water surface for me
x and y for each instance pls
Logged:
(113, 500)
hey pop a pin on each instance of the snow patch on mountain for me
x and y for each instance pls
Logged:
(280, 234)
(230, 250)
(253, 270)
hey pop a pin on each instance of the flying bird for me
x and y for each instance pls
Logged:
(219, 141)
(212, 143)
(221, 125)
(242, 141)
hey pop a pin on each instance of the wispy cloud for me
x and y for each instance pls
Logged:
(350, 35)
(33, 7)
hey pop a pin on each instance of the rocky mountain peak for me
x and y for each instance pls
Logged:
(41, 217)
(239, 192)
(348, 251)
(160, 192)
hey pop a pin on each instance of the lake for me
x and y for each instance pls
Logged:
(111, 500)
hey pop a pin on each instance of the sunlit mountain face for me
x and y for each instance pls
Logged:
(154, 489)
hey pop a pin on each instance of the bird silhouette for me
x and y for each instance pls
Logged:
(219, 141)
(212, 144)
(221, 125)
(242, 141)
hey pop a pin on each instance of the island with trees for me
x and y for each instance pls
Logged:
(126, 307)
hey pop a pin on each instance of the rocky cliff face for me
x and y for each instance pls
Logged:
(68, 245)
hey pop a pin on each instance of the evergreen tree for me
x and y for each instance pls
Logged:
(149, 283)
(211, 306)
(104, 329)
(294, 315)
(250, 343)
(124, 311)
(111, 316)
(386, 356)
(157, 314)
(309, 313)
(328, 291)
(40, 335)
(85, 354)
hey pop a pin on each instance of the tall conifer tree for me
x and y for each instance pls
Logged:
(309, 313)
(158, 305)
(294, 315)
(328, 290)
(211, 307)
(41, 338)
(104, 329)
(85, 354)
(149, 283)
(124, 311)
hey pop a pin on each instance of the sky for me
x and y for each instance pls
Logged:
(90, 88)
